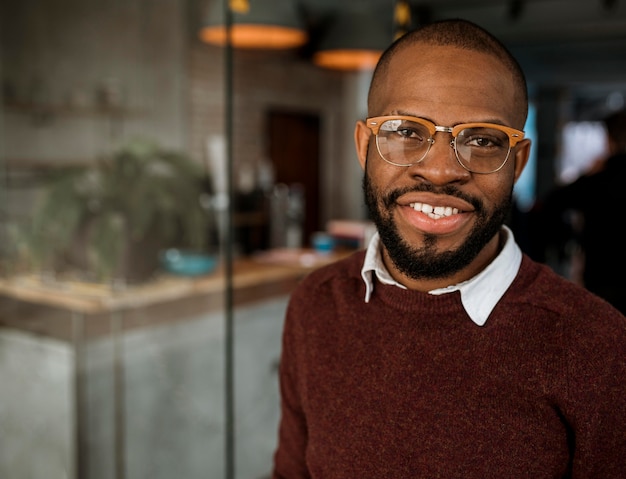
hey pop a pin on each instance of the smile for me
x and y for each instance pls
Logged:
(434, 212)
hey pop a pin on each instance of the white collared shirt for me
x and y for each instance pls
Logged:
(479, 294)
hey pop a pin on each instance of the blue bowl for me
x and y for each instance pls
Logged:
(187, 263)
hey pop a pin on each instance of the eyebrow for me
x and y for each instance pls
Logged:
(494, 121)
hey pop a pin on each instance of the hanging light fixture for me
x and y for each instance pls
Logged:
(257, 24)
(353, 40)
(402, 21)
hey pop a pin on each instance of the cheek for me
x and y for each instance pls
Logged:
(382, 175)
(495, 188)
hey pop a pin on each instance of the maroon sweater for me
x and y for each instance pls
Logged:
(407, 386)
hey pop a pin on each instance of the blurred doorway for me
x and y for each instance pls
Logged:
(294, 146)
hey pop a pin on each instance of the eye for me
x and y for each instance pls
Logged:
(408, 131)
(484, 138)
(481, 141)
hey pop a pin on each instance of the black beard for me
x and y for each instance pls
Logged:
(425, 262)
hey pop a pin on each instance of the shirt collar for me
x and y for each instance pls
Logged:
(479, 294)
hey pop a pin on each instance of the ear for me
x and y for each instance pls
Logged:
(362, 136)
(522, 153)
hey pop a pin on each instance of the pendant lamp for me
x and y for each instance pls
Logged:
(354, 40)
(256, 24)
(402, 18)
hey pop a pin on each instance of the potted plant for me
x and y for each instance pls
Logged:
(110, 221)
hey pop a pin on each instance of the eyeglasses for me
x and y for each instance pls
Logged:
(479, 147)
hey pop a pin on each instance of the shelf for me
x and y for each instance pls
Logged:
(69, 110)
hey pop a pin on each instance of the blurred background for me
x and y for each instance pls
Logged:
(169, 169)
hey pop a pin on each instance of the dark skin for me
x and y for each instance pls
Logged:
(446, 85)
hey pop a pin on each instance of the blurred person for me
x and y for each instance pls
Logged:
(442, 350)
(596, 196)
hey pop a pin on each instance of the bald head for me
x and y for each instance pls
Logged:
(459, 34)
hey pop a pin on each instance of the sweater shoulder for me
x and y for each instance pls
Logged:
(541, 288)
(346, 269)
(320, 295)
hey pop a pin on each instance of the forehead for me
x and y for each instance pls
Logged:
(447, 85)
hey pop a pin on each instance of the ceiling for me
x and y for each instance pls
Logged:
(572, 43)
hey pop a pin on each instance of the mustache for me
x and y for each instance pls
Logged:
(450, 190)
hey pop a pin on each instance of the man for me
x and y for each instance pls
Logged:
(597, 195)
(442, 351)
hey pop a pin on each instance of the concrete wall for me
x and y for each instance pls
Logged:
(171, 412)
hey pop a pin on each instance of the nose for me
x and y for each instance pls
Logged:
(440, 165)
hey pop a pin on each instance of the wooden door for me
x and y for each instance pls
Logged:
(294, 148)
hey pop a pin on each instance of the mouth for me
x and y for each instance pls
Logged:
(437, 215)
(434, 212)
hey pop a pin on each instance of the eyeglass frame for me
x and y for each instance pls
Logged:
(515, 136)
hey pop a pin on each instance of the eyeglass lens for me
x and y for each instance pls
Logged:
(480, 150)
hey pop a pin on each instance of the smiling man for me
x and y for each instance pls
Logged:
(442, 350)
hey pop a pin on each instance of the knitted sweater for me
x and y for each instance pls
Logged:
(407, 386)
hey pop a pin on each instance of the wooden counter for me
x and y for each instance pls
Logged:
(42, 305)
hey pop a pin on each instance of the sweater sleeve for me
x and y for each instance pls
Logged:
(596, 407)
(308, 301)
(289, 458)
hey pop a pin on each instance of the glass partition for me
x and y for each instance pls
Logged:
(112, 287)
(158, 197)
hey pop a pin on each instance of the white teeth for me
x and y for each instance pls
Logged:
(434, 212)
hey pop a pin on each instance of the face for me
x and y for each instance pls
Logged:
(425, 249)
